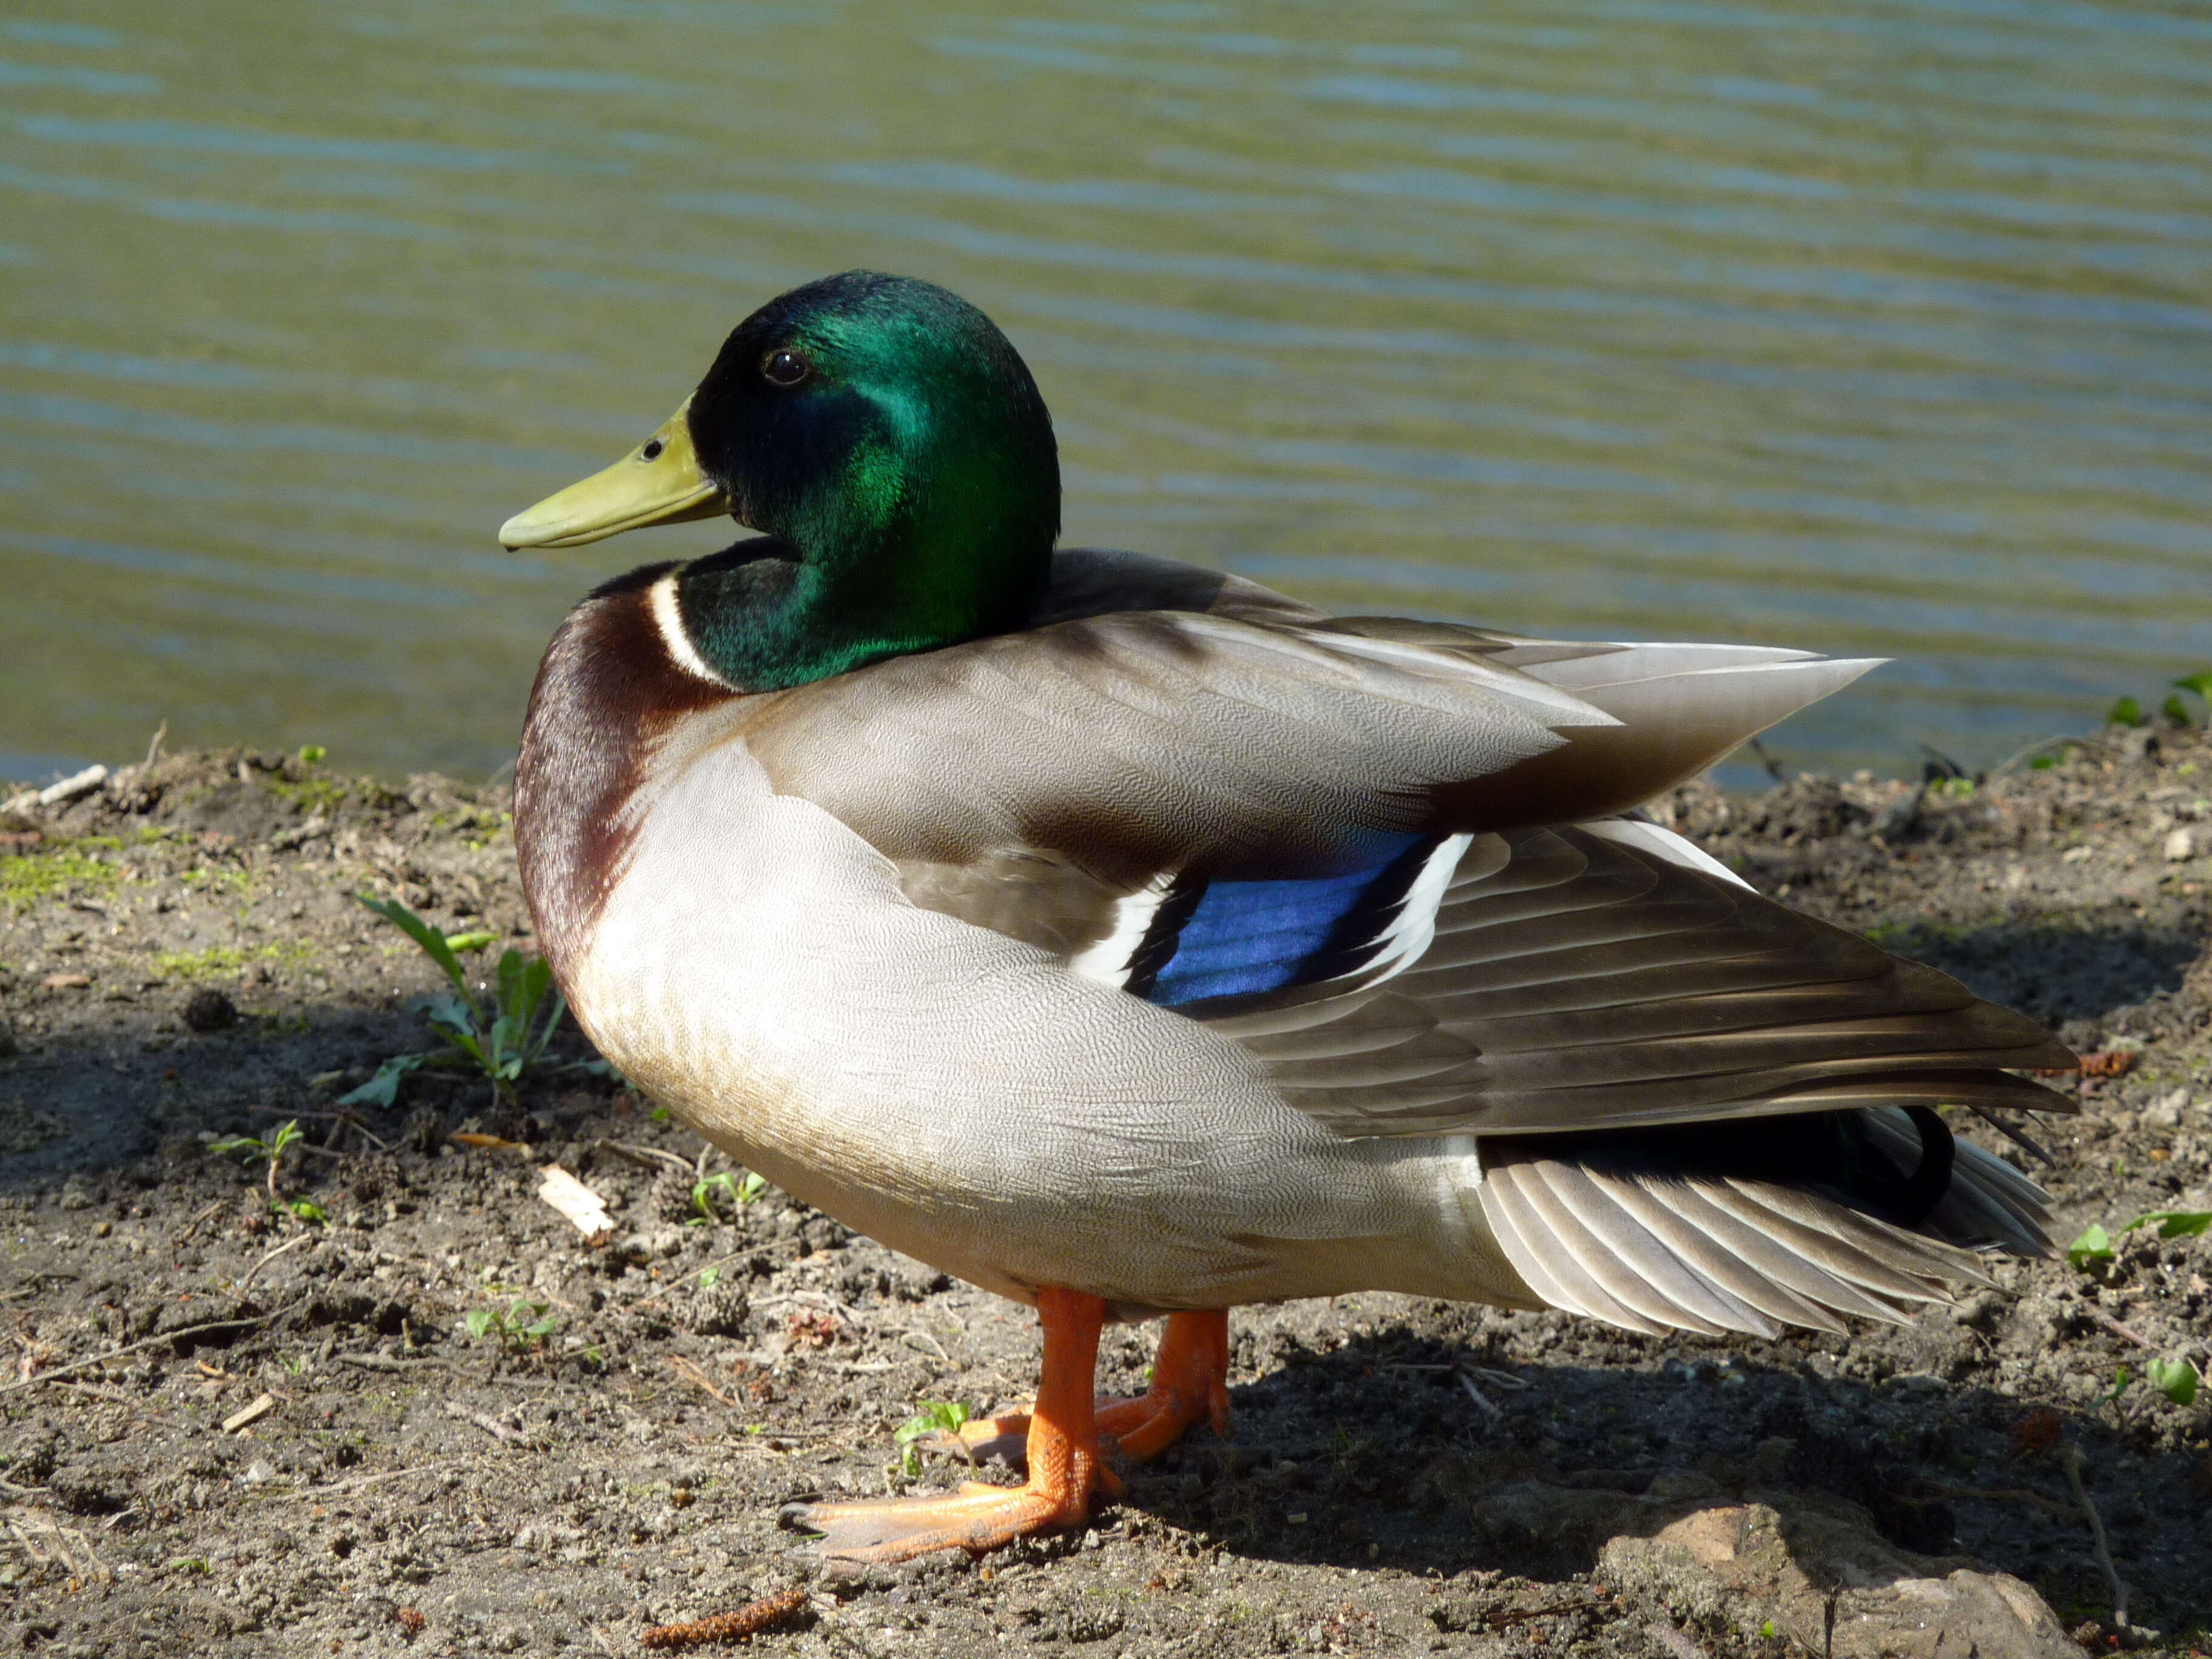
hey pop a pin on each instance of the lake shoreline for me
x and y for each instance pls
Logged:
(182, 959)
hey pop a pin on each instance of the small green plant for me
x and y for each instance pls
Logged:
(736, 1193)
(503, 1033)
(271, 1149)
(2120, 1381)
(2177, 1379)
(311, 754)
(931, 1417)
(2128, 711)
(2199, 686)
(519, 1326)
(2096, 1246)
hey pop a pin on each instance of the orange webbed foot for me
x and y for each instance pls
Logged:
(977, 1518)
(1189, 1386)
(1065, 1469)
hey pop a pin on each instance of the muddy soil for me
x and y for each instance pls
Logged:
(605, 1446)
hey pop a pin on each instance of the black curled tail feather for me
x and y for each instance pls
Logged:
(1919, 1192)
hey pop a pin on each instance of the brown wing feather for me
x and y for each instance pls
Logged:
(1586, 984)
(1159, 716)
(1141, 741)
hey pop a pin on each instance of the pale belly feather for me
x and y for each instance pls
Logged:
(965, 1099)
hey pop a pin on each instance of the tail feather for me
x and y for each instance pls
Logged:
(1630, 1237)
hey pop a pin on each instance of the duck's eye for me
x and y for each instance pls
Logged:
(784, 367)
(652, 451)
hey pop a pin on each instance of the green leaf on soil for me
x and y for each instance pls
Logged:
(2174, 1378)
(383, 1089)
(934, 1417)
(2126, 711)
(431, 941)
(2094, 1244)
(2175, 1224)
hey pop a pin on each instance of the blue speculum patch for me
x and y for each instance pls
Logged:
(1224, 939)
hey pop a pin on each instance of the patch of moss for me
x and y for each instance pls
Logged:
(219, 880)
(227, 959)
(27, 877)
(311, 795)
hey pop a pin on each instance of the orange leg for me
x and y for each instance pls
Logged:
(1064, 1464)
(1189, 1385)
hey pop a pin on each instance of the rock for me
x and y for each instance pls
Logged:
(720, 1310)
(1796, 1561)
(210, 1010)
(2180, 845)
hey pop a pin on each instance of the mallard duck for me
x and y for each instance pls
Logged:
(1129, 939)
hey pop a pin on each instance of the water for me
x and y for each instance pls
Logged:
(1876, 328)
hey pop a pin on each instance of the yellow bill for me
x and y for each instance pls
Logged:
(658, 483)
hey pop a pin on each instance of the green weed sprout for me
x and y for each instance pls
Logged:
(2198, 685)
(738, 1194)
(272, 1149)
(520, 1325)
(2096, 1246)
(2127, 711)
(503, 1036)
(2177, 1378)
(932, 1417)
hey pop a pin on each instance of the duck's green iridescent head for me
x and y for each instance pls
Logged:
(887, 440)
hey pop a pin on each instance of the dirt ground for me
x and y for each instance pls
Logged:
(181, 957)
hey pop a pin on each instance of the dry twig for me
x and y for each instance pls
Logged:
(2071, 1460)
(646, 1157)
(254, 1272)
(744, 1624)
(491, 1425)
(2119, 1329)
(689, 1372)
(74, 1367)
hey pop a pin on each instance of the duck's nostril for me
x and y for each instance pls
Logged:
(652, 451)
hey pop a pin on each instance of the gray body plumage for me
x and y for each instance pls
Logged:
(869, 935)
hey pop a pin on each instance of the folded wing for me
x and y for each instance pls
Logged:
(1132, 733)
(1599, 977)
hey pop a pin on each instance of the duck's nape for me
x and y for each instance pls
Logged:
(887, 441)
